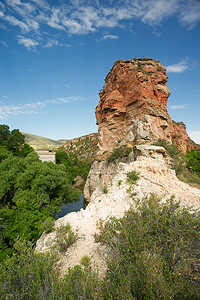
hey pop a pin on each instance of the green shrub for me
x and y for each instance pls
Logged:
(85, 261)
(171, 149)
(105, 189)
(193, 160)
(153, 252)
(181, 163)
(119, 182)
(47, 225)
(117, 62)
(132, 176)
(27, 275)
(160, 69)
(131, 192)
(65, 237)
(139, 66)
(119, 153)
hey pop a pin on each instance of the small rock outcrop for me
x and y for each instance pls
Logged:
(133, 107)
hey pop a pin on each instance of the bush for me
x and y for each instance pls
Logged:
(153, 252)
(117, 62)
(105, 189)
(65, 237)
(132, 176)
(47, 225)
(193, 160)
(119, 182)
(181, 163)
(27, 275)
(171, 149)
(85, 261)
(119, 153)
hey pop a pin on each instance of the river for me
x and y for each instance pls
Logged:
(69, 207)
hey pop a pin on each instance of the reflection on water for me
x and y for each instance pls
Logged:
(69, 207)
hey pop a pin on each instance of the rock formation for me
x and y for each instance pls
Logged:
(132, 107)
(155, 176)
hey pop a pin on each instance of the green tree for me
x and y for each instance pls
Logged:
(63, 158)
(30, 193)
(14, 141)
(193, 160)
(4, 134)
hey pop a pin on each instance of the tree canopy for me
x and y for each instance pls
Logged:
(30, 190)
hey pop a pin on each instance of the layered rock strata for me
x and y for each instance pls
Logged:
(133, 107)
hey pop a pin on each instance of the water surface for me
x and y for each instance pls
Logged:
(70, 207)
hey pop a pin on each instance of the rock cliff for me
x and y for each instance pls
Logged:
(132, 107)
(155, 176)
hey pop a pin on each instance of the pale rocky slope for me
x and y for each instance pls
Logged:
(155, 177)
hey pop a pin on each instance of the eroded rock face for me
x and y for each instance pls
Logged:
(132, 106)
(181, 138)
(155, 177)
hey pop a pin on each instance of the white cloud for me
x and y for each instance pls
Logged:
(195, 136)
(181, 106)
(3, 43)
(2, 5)
(64, 100)
(83, 17)
(6, 110)
(179, 67)
(32, 108)
(110, 37)
(51, 43)
(54, 20)
(42, 3)
(155, 11)
(15, 22)
(27, 42)
(190, 14)
(32, 24)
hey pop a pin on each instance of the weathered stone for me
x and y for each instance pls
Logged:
(155, 177)
(102, 172)
(132, 107)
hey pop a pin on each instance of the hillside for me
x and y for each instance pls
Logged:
(39, 142)
(84, 146)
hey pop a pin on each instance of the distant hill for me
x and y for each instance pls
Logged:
(39, 142)
(83, 147)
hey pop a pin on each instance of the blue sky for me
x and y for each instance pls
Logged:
(55, 55)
